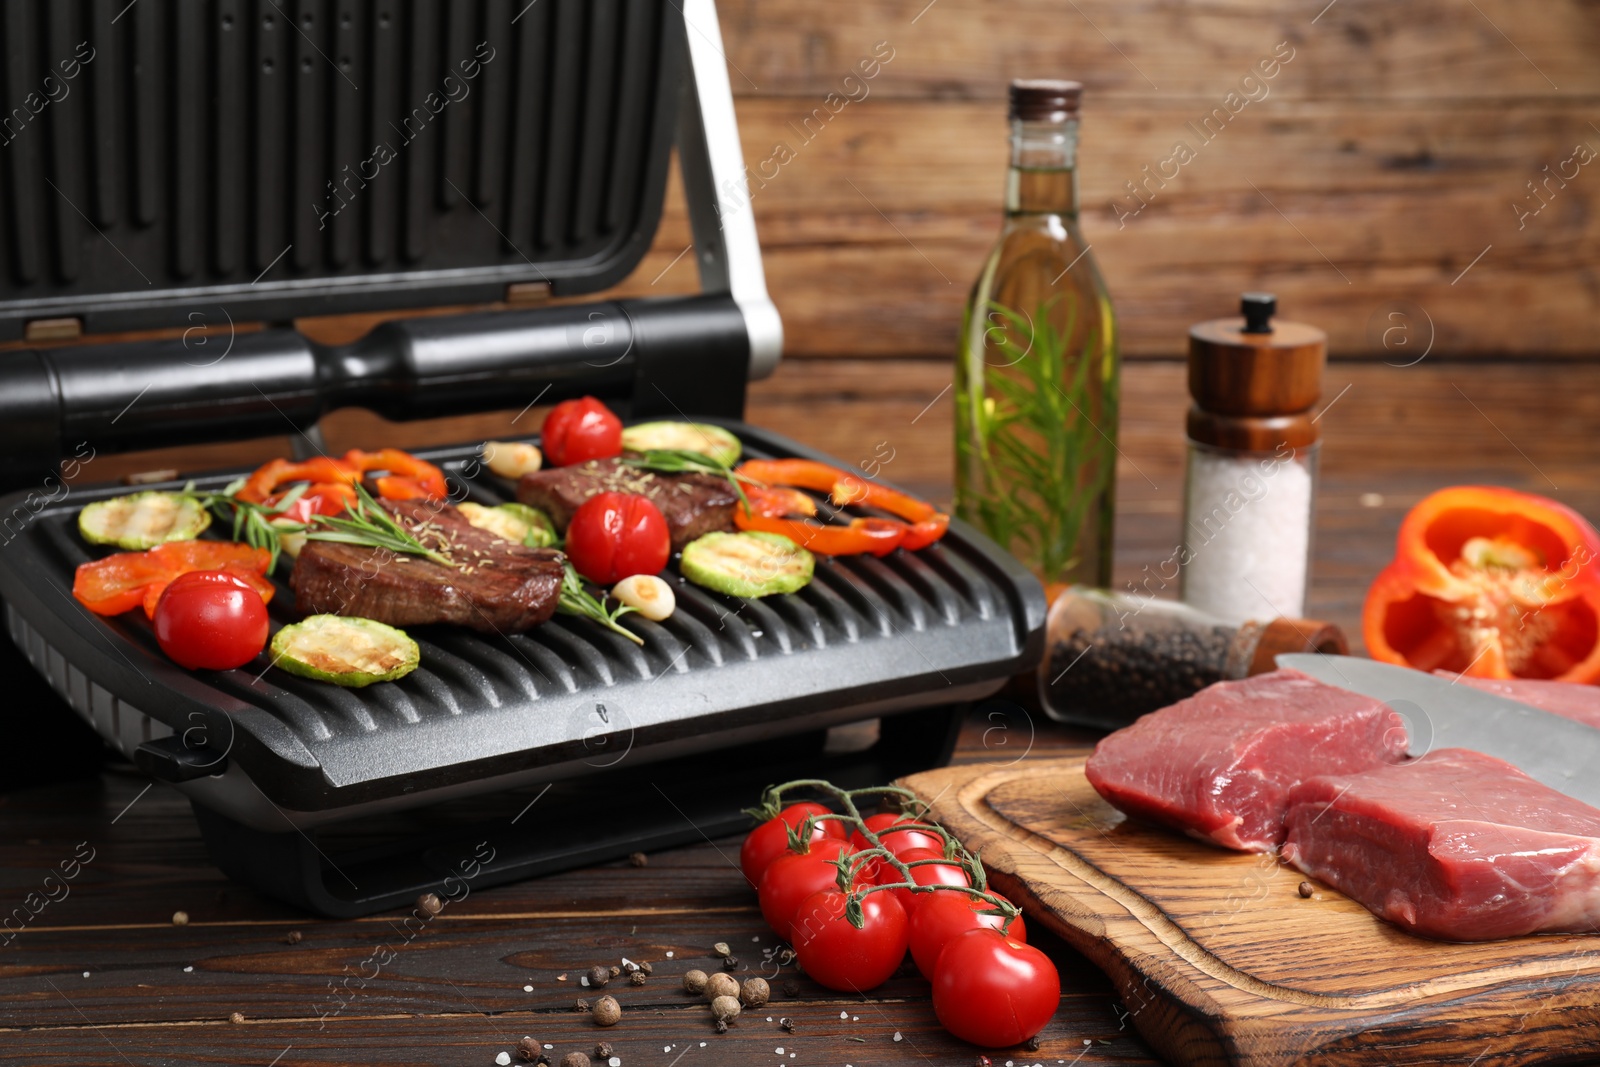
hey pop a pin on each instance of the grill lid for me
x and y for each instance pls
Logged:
(164, 161)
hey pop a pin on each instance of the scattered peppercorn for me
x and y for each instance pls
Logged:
(576, 1059)
(180, 918)
(430, 904)
(529, 1050)
(755, 993)
(293, 937)
(721, 948)
(581, 1006)
(730, 963)
(607, 1011)
(725, 1009)
(646, 968)
(787, 1024)
(236, 1017)
(721, 1027)
(636, 978)
(721, 985)
(791, 988)
(603, 1050)
(616, 972)
(598, 976)
(1033, 1043)
(694, 982)
(639, 859)
(1305, 890)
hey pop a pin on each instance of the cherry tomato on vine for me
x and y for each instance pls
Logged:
(948, 872)
(579, 430)
(992, 990)
(210, 620)
(896, 841)
(613, 536)
(838, 955)
(771, 839)
(793, 877)
(942, 916)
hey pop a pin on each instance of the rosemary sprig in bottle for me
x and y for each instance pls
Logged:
(684, 461)
(366, 523)
(576, 600)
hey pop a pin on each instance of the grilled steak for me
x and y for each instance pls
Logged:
(693, 504)
(496, 585)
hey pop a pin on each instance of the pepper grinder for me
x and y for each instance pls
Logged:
(1252, 464)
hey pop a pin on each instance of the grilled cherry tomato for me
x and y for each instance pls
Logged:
(771, 839)
(211, 620)
(947, 914)
(992, 990)
(613, 536)
(793, 877)
(945, 872)
(838, 955)
(580, 430)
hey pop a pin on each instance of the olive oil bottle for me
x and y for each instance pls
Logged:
(1037, 369)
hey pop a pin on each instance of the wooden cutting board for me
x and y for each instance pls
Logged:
(1219, 960)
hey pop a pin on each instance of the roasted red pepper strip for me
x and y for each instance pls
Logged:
(268, 477)
(877, 536)
(924, 533)
(805, 473)
(123, 581)
(406, 477)
(853, 490)
(323, 499)
(1491, 583)
(777, 501)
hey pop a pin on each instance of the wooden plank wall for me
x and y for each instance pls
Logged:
(1387, 155)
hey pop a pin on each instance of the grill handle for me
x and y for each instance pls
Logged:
(647, 357)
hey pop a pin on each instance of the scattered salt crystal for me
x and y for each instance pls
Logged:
(583, 979)
(855, 1018)
(186, 970)
(897, 1037)
(769, 1018)
(86, 974)
(702, 1044)
(779, 1050)
(1086, 1041)
(527, 989)
(669, 955)
(615, 1061)
(757, 938)
(503, 1059)
(844, 1015)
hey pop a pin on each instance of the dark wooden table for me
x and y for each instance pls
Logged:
(104, 975)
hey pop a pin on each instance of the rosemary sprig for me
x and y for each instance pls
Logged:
(366, 523)
(684, 461)
(576, 600)
(257, 525)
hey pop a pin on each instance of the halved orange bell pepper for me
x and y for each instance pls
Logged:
(1491, 583)
(126, 580)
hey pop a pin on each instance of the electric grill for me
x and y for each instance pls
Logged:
(198, 175)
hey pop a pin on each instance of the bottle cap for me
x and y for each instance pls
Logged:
(1043, 100)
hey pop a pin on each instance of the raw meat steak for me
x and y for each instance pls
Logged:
(1455, 845)
(1219, 765)
(1580, 702)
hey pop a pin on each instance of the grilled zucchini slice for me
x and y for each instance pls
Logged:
(143, 520)
(514, 522)
(345, 651)
(749, 564)
(701, 437)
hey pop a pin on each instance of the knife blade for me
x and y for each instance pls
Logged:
(1562, 753)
